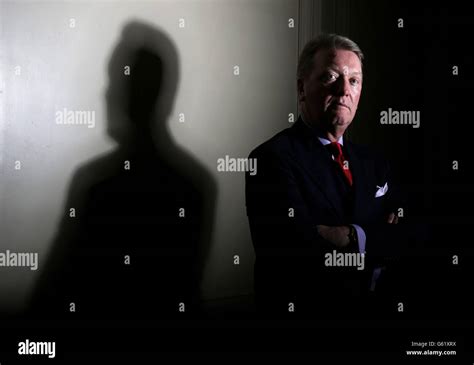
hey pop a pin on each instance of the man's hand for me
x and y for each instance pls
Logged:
(337, 235)
(392, 218)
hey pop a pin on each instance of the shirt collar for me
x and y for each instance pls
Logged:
(325, 141)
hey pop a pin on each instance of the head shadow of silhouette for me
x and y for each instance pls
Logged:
(138, 220)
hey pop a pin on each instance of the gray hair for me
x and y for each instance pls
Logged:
(324, 41)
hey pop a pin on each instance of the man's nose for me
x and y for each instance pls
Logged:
(343, 87)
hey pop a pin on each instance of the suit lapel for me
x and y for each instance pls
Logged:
(316, 162)
(361, 180)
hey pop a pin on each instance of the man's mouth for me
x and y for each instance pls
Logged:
(338, 105)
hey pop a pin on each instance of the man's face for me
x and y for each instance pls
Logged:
(330, 94)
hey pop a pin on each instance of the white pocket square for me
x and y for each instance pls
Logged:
(381, 190)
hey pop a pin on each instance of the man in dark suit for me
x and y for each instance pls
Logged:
(322, 210)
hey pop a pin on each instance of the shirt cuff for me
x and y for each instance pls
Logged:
(361, 238)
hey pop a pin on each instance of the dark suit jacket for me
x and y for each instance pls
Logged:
(295, 171)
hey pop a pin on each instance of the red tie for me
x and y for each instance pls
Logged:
(336, 151)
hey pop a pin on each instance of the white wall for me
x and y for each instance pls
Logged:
(64, 67)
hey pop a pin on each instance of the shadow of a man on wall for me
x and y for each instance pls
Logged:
(137, 221)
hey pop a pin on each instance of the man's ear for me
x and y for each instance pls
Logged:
(300, 89)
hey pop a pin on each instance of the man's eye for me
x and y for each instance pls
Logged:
(355, 81)
(329, 78)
